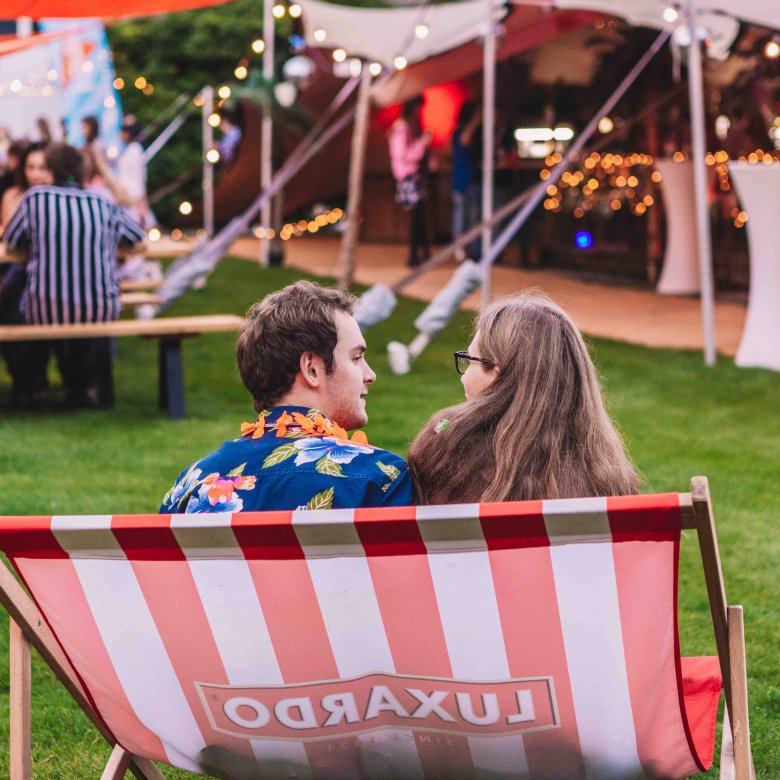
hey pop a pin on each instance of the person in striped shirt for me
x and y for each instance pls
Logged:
(72, 237)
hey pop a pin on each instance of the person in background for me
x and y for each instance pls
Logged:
(533, 425)
(43, 131)
(302, 357)
(31, 170)
(72, 237)
(231, 136)
(466, 189)
(127, 187)
(5, 143)
(28, 376)
(408, 159)
(94, 153)
(10, 175)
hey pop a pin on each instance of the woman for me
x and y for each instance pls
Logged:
(26, 362)
(533, 425)
(94, 154)
(32, 170)
(408, 151)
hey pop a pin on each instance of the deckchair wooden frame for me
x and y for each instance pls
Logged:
(28, 628)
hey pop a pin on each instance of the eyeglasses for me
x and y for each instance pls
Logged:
(462, 360)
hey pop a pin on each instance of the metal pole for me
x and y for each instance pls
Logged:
(266, 141)
(356, 172)
(165, 136)
(208, 167)
(538, 192)
(699, 150)
(488, 141)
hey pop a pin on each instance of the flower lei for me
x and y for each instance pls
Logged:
(298, 424)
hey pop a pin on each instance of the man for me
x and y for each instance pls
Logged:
(73, 237)
(302, 357)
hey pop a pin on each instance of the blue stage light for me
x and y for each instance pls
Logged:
(583, 240)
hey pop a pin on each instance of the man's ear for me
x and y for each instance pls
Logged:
(312, 369)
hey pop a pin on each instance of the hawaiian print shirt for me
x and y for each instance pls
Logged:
(291, 458)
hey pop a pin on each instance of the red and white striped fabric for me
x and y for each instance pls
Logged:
(534, 639)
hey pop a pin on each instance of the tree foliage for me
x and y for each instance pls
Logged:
(181, 53)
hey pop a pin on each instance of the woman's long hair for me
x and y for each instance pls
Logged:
(410, 113)
(20, 176)
(539, 431)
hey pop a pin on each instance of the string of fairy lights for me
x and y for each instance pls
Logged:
(289, 230)
(601, 184)
(608, 183)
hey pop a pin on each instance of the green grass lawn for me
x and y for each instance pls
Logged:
(679, 419)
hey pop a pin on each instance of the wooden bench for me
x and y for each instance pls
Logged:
(153, 249)
(136, 298)
(139, 285)
(169, 331)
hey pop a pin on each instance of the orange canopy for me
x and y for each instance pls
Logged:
(107, 9)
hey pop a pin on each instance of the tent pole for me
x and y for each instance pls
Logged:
(165, 136)
(266, 140)
(356, 169)
(488, 141)
(699, 150)
(208, 167)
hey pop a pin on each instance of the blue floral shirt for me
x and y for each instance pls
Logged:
(291, 458)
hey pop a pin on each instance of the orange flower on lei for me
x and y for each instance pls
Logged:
(318, 426)
(282, 424)
(256, 429)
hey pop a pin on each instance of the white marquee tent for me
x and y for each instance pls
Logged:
(384, 34)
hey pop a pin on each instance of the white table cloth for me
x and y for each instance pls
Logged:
(758, 189)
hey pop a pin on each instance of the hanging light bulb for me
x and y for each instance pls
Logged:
(320, 35)
(339, 55)
(295, 10)
(278, 11)
(375, 68)
(400, 62)
(606, 125)
(670, 14)
(258, 46)
(421, 31)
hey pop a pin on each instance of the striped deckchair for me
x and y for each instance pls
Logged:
(520, 640)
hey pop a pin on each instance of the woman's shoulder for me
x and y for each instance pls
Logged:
(11, 199)
(12, 193)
